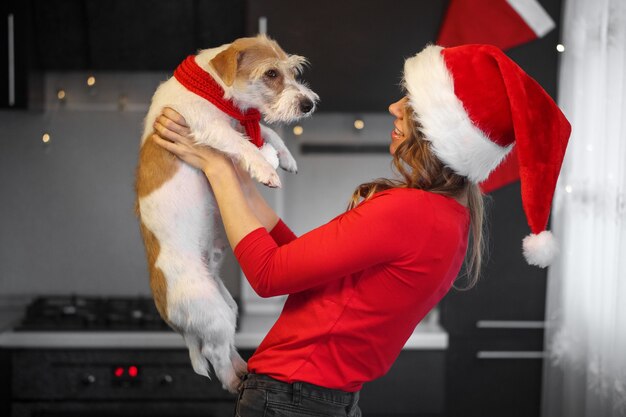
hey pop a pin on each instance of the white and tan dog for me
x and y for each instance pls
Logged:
(180, 222)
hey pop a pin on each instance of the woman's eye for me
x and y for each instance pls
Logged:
(271, 73)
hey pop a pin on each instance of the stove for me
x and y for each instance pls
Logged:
(95, 356)
(70, 313)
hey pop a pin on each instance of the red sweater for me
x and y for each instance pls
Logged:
(357, 285)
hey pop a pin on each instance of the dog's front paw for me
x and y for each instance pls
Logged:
(265, 174)
(270, 154)
(287, 162)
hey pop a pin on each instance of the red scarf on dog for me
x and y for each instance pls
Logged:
(200, 82)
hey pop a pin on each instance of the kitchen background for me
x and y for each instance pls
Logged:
(70, 214)
(84, 74)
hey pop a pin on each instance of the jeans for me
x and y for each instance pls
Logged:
(262, 396)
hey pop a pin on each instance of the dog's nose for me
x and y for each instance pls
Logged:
(306, 105)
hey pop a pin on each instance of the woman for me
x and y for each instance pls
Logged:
(359, 284)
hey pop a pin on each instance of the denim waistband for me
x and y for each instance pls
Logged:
(303, 389)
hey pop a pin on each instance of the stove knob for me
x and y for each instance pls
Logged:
(88, 379)
(166, 379)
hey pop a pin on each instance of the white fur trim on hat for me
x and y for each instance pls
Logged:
(445, 122)
(540, 249)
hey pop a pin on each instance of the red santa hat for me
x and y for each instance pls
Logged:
(474, 104)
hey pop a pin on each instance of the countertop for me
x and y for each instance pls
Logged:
(428, 335)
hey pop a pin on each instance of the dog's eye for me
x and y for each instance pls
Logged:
(271, 73)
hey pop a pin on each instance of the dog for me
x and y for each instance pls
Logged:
(179, 218)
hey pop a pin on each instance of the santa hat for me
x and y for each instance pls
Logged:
(474, 104)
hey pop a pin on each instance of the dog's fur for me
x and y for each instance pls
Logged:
(180, 221)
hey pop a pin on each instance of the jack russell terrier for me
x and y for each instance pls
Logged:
(221, 93)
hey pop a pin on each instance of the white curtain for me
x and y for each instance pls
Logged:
(585, 372)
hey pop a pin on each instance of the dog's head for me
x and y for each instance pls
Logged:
(258, 73)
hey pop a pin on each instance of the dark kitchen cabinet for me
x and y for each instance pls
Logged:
(5, 382)
(104, 35)
(414, 386)
(497, 373)
(119, 35)
(16, 56)
(509, 288)
(356, 48)
(495, 330)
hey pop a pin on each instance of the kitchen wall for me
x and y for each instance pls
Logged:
(67, 222)
(66, 214)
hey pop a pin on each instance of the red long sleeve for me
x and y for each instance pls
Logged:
(358, 285)
(367, 235)
(281, 233)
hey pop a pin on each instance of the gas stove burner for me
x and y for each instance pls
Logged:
(68, 313)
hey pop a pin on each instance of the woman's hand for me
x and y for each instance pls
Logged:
(173, 134)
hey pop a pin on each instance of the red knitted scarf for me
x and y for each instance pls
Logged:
(200, 82)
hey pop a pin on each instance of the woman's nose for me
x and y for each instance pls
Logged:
(396, 108)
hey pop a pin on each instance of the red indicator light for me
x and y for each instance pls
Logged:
(119, 371)
(133, 371)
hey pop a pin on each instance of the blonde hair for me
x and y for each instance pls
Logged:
(419, 168)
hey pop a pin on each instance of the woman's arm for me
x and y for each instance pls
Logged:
(257, 203)
(279, 231)
(238, 218)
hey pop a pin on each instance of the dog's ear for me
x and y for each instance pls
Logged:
(225, 63)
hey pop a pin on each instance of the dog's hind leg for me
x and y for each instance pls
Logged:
(241, 366)
(210, 324)
(198, 361)
(227, 297)
(219, 355)
(215, 258)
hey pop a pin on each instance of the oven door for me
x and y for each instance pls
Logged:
(113, 383)
(123, 409)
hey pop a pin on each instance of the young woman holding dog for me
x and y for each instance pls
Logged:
(359, 284)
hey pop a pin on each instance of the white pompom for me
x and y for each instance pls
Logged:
(540, 249)
(270, 154)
